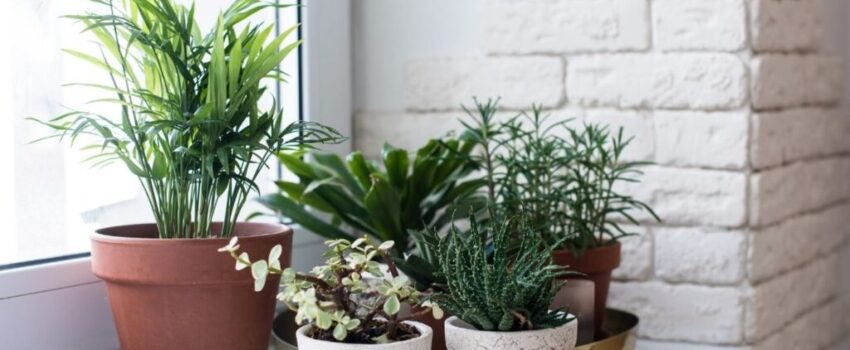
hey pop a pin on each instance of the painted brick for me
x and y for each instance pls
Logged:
(691, 196)
(715, 140)
(682, 312)
(717, 25)
(699, 255)
(781, 192)
(565, 26)
(446, 84)
(777, 302)
(778, 25)
(786, 136)
(782, 81)
(665, 81)
(636, 125)
(796, 241)
(636, 258)
(817, 329)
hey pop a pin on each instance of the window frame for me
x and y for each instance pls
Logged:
(49, 287)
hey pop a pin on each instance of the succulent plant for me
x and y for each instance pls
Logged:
(350, 298)
(500, 277)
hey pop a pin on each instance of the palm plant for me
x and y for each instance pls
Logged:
(190, 126)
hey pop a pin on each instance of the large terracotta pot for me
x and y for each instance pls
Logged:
(182, 293)
(423, 342)
(462, 336)
(596, 265)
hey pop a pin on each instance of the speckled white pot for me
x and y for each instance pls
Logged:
(421, 343)
(462, 336)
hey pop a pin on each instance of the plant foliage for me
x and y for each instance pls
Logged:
(338, 299)
(385, 201)
(499, 278)
(190, 126)
(562, 179)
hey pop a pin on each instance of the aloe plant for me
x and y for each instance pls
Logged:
(188, 120)
(500, 276)
(387, 201)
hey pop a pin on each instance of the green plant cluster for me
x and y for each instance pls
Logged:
(500, 277)
(190, 126)
(336, 298)
(561, 178)
(386, 201)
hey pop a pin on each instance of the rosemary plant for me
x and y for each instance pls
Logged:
(190, 125)
(565, 186)
(497, 284)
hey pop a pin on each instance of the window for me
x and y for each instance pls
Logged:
(49, 199)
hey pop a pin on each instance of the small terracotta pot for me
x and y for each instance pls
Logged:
(462, 336)
(423, 342)
(183, 293)
(596, 265)
(438, 326)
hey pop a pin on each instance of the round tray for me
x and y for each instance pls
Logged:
(622, 327)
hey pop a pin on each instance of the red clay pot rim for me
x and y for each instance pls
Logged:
(611, 251)
(100, 236)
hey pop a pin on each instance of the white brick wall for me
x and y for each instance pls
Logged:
(789, 135)
(779, 301)
(521, 81)
(778, 78)
(782, 25)
(565, 26)
(699, 139)
(717, 25)
(779, 193)
(692, 196)
(699, 255)
(666, 81)
(691, 313)
(738, 102)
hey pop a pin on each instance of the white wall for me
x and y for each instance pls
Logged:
(739, 102)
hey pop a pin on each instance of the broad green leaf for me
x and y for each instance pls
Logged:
(396, 163)
(339, 171)
(382, 202)
(288, 208)
(360, 169)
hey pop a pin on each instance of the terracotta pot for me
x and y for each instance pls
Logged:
(438, 326)
(462, 336)
(423, 342)
(183, 293)
(596, 265)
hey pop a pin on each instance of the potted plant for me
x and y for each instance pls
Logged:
(189, 125)
(501, 283)
(390, 200)
(387, 201)
(338, 307)
(567, 185)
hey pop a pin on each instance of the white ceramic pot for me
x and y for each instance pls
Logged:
(423, 342)
(462, 336)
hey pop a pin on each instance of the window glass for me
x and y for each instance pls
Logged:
(49, 199)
